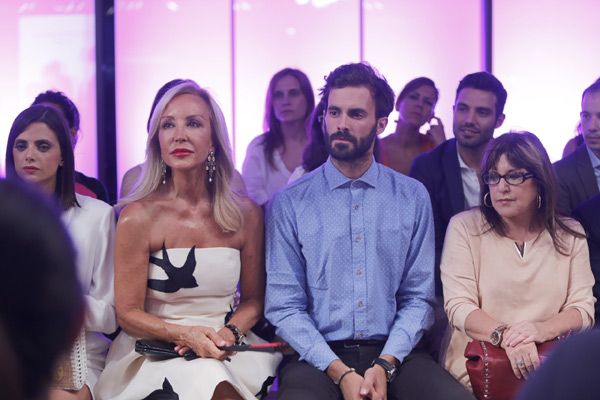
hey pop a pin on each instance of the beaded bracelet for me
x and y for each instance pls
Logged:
(237, 333)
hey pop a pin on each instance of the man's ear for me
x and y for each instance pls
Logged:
(381, 124)
(500, 120)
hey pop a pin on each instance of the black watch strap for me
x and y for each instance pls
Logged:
(389, 368)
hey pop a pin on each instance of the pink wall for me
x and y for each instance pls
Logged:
(403, 39)
(49, 45)
(437, 39)
(545, 56)
(271, 35)
(155, 42)
(546, 53)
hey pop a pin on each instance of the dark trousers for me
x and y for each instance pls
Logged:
(419, 378)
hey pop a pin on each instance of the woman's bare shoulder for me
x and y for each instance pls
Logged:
(139, 214)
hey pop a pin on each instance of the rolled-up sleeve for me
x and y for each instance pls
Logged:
(459, 280)
(581, 281)
(286, 293)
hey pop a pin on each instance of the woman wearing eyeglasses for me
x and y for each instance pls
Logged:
(514, 272)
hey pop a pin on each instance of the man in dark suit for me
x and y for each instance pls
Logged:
(450, 172)
(588, 214)
(579, 173)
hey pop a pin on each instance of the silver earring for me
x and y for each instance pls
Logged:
(486, 198)
(164, 171)
(211, 165)
(539, 201)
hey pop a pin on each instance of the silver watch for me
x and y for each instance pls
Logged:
(496, 336)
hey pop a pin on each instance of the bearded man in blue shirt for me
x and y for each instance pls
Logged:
(350, 254)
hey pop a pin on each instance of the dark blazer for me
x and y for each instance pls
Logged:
(439, 171)
(576, 180)
(588, 214)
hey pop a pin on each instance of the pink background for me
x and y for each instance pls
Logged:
(49, 45)
(545, 56)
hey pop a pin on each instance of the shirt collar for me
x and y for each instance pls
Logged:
(336, 179)
(593, 158)
(461, 162)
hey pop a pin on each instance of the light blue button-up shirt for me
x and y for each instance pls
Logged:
(350, 259)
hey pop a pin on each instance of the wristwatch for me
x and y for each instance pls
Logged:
(496, 336)
(389, 368)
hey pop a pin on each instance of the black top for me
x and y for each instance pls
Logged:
(93, 185)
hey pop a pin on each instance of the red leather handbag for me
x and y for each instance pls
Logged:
(490, 372)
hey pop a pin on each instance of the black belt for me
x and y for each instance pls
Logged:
(351, 344)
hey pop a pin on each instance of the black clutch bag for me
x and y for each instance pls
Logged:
(160, 349)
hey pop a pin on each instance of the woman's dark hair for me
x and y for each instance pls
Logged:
(68, 108)
(414, 85)
(315, 153)
(524, 150)
(273, 137)
(41, 303)
(65, 181)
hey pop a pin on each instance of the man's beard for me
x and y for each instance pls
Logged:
(352, 151)
(476, 141)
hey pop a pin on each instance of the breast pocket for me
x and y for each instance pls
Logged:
(323, 247)
(312, 247)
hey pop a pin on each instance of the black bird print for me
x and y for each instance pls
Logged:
(264, 390)
(178, 278)
(166, 393)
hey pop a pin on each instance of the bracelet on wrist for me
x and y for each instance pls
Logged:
(348, 371)
(237, 333)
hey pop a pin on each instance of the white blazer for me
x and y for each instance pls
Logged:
(92, 229)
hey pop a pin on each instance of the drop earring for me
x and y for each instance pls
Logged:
(211, 165)
(164, 172)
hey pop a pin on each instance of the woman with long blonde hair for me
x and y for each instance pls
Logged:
(184, 241)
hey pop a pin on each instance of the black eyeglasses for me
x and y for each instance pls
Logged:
(512, 178)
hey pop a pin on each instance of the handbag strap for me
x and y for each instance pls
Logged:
(486, 370)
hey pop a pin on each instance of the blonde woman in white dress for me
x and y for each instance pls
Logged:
(184, 241)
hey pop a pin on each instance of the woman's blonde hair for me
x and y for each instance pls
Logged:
(225, 203)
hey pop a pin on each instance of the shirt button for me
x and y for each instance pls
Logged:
(359, 272)
(360, 335)
(360, 304)
(356, 207)
(357, 238)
